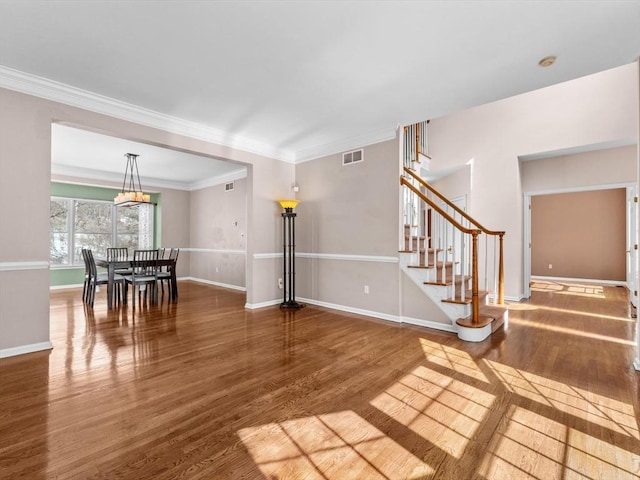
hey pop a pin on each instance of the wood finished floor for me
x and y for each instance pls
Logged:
(204, 389)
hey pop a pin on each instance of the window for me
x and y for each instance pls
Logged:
(59, 246)
(78, 224)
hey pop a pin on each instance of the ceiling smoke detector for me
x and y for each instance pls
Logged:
(547, 61)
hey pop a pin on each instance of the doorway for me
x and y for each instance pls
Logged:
(577, 238)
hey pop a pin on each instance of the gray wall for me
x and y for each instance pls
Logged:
(218, 234)
(592, 110)
(348, 224)
(25, 153)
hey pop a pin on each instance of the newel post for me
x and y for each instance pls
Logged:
(474, 278)
(501, 272)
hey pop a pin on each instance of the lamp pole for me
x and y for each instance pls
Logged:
(289, 255)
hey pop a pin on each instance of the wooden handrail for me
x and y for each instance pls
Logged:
(451, 204)
(475, 302)
(449, 218)
(480, 229)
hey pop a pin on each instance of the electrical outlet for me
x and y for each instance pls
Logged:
(280, 284)
(366, 289)
(550, 266)
(217, 269)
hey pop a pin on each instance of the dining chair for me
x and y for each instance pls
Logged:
(93, 279)
(167, 273)
(144, 272)
(120, 254)
(87, 275)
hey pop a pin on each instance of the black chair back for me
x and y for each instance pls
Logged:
(117, 253)
(145, 262)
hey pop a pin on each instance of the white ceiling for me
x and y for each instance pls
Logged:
(85, 154)
(309, 78)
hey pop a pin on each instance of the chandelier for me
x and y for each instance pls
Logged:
(131, 194)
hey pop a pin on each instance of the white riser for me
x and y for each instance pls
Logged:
(436, 293)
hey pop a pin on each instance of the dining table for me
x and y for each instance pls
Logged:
(112, 265)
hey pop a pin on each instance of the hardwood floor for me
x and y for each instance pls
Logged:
(204, 389)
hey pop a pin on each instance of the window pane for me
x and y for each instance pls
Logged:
(59, 244)
(127, 241)
(92, 228)
(127, 228)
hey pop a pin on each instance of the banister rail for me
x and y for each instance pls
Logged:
(432, 204)
(474, 232)
(451, 204)
(475, 303)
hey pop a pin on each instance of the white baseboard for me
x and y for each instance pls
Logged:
(507, 298)
(614, 283)
(270, 303)
(22, 349)
(63, 287)
(444, 327)
(366, 313)
(359, 311)
(217, 284)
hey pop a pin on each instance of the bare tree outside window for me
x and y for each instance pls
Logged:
(92, 228)
(77, 224)
(59, 245)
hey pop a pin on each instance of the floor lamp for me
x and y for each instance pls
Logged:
(289, 254)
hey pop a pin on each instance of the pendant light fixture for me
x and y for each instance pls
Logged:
(131, 194)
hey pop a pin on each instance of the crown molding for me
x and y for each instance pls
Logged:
(59, 92)
(22, 82)
(352, 143)
(220, 179)
(92, 174)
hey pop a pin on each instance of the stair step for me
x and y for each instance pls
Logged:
(488, 314)
(468, 298)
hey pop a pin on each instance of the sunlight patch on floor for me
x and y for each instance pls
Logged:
(522, 307)
(531, 446)
(592, 291)
(444, 411)
(452, 358)
(570, 331)
(596, 316)
(593, 408)
(339, 445)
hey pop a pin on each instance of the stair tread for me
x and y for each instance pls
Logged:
(468, 297)
(487, 314)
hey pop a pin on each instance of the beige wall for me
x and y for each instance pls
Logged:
(218, 234)
(609, 166)
(173, 217)
(350, 211)
(597, 109)
(25, 154)
(580, 234)
(456, 184)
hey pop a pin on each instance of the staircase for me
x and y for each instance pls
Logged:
(443, 249)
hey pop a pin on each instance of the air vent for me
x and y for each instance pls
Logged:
(352, 157)
(228, 187)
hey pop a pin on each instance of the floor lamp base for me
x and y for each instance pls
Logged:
(291, 305)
